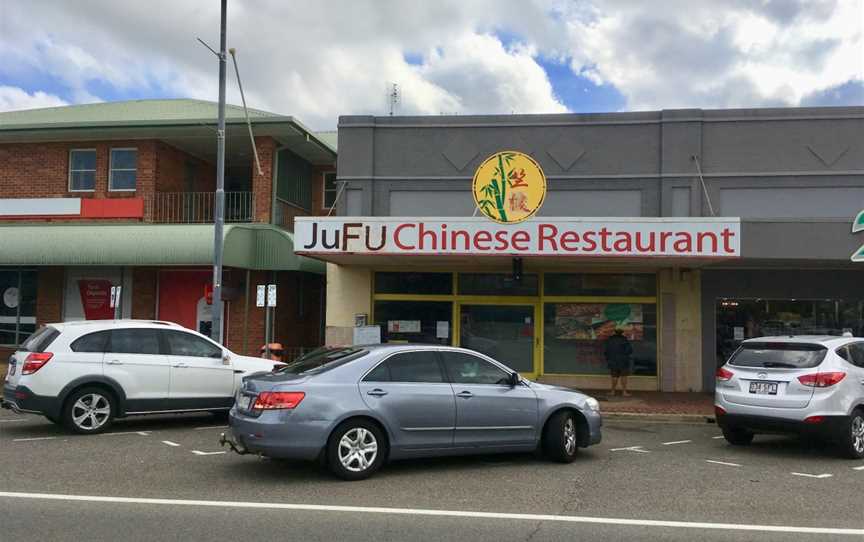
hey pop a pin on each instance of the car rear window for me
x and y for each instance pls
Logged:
(321, 360)
(40, 340)
(779, 355)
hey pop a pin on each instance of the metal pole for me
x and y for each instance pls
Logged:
(219, 212)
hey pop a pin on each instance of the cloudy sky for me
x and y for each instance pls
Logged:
(317, 59)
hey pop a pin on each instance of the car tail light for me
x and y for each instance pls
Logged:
(723, 374)
(719, 411)
(275, 400)
(35, 361)
(821, 380)
(814, 419)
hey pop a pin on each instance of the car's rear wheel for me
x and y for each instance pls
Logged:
(356, 450)
(89, 411)
(737, 436)
(560, 438)
(852, 440)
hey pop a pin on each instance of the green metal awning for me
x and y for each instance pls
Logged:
(247, 246)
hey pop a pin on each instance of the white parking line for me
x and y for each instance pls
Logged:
(32, 439)
(630, 449)
(439, 513)
(811, 475)
(722, 463)
(715, 438)
(858, 468)
(211, 427)
(676, 442)
(142, 433)
(196, 452)
(12, 421)
(169, 443)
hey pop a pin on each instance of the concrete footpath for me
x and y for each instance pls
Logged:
(657, 406)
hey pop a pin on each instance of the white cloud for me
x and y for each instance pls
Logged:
(695, 53)
(13, 98)
(319, 59)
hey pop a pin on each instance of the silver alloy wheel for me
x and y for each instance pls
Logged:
(91, 411)
(858, 434)
(569, 436)
(358, 449)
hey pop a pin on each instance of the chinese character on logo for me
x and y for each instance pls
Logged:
(518, 202)
(517, 178)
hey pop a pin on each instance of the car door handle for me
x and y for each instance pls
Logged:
(465, 394)
(114, 362)
(180, 366)
(376, 392)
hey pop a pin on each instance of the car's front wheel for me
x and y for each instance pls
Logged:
(737, 436)
(356, 450)
(89, 411)
(559, 437)
(852, 440)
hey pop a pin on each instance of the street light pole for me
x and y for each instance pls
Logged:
(219, 212)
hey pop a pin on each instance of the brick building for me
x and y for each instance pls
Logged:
(121, 194)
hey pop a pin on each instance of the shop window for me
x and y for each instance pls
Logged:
(17, 305)
(597, 284)
(497, 284)
(415, 321)
(82, 170)
(576, 335)
(414, 283)
(741, 319)
(124, 170)
(331, 189)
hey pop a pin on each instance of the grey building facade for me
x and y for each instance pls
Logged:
(794, 177)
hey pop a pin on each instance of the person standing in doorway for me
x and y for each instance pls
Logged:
(618, 354)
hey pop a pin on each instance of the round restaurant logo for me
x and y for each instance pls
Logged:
(509, 187)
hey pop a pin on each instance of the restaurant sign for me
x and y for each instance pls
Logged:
(585, 237)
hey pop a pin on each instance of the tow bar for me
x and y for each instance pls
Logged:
(236, 447)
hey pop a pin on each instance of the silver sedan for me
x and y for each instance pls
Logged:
(357, 407)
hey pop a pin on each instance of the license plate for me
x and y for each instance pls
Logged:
(244, 402)
(763, 388)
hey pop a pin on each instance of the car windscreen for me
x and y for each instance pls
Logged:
(40, 339)
(779, 355)
(322, 359)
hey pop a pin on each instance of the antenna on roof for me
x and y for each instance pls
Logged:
(393, 97)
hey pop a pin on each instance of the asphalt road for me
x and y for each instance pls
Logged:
(164, 478)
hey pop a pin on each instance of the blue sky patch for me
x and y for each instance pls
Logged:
(578, 93)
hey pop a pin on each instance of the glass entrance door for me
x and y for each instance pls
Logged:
(506, 333)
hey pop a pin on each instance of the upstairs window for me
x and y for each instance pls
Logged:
(331, 189)
(124, 169)
(82, 170)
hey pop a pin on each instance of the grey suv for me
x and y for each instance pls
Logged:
(358, 407)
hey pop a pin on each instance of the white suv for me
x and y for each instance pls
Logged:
(86, 374)
(810, 385)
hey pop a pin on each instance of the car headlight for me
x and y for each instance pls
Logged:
(593, 404)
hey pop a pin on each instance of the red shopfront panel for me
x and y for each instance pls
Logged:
(181, 298)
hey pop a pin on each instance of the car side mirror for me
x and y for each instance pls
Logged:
(515, 379)
(226, 359)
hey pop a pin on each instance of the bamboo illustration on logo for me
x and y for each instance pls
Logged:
(509, 187)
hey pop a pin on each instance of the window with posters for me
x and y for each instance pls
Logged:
(576, 335)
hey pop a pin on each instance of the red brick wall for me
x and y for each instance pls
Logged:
(299, 323)
(235, 316)
(41, 170)
(171, 171)
(262, 185)
(49, 295)
(144, 283)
